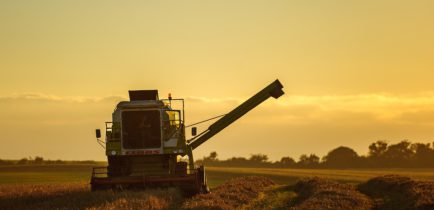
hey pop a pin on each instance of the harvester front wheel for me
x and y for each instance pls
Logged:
(95, 187)
(181, 168)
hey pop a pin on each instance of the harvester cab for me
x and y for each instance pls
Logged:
(145, 142)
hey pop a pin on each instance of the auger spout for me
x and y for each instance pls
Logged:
(273, 90)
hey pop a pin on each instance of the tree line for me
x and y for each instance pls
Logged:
(41, 161)
(403, 154)
(381, 155)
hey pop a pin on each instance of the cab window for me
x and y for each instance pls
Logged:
(171, 124)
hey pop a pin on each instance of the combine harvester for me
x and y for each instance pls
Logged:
(146, 139)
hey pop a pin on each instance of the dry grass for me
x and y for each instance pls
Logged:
(251, 192)
(276, 197)
(78, 196)
(316, 193)
(398, 192)
(230, 195)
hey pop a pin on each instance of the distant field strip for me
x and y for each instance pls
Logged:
(347, 175)
(34, 174)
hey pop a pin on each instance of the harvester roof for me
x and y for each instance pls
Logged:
(142, 99)
(140, 104)
(140, 95)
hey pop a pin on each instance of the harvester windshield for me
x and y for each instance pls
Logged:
(141, 129)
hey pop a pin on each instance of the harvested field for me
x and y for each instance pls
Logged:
(230, 195)
(398, 192)
(78, 196)
(390, 192)
(316, 193)
(251, 192)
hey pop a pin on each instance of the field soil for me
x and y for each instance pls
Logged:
(398, 192)
(78, 196)
(251, 192)
(320, 193)
(66, 187)
(230, 195)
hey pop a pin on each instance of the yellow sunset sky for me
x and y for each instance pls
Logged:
(354, 71)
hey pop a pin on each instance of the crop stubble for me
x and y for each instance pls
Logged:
(252, 192)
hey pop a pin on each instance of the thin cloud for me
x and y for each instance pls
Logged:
(213, 100)
(360, 102)
(384, 105)
(359, 108)
(42, 97)
(380, 105)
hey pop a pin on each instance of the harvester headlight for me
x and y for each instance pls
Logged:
(113, 152)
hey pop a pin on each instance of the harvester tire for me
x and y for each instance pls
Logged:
(181, 168)
(202, 180)
(94, 187)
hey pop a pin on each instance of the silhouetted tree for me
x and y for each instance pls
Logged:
(286, 162)
(378, 148)
(423, 155)
(399, 155)
(237, 160)
(38, 160)
(308, 161)
(402, 154)
(258, 158)
(376, 153)
(23, 161)
(341, 157)
(211, 158)
(213, 155)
